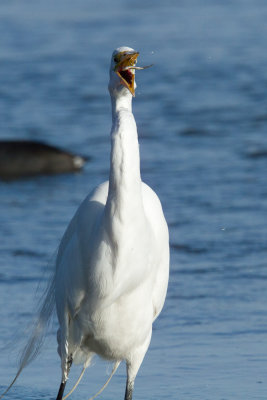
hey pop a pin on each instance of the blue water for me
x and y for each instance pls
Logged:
(202, 118)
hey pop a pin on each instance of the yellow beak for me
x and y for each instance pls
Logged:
(126, 60)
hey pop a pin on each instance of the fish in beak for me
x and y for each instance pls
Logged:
(125, 60)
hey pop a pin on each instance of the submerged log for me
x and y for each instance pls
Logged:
(21, 158)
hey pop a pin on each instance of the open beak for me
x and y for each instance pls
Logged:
(123, 69)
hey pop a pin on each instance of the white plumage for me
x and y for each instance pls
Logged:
(113, 261)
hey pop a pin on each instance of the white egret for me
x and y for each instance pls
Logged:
(113, 261)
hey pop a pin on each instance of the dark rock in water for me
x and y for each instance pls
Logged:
(20, 158)
(257, 153)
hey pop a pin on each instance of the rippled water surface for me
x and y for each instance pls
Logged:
(202, 118)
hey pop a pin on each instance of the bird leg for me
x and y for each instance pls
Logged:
(133, 366)
(61, 390)
(129, 390)
(63, 383)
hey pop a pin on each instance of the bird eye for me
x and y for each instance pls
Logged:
(116, 59)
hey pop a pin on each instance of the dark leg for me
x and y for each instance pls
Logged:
(61, 391)
(63, 384)
(129, 390)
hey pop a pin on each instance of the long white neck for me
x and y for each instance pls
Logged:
(124, 195)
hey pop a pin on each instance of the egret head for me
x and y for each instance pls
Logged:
(122, 76)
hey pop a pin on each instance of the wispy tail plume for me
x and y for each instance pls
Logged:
(36, 339)
(115, 367)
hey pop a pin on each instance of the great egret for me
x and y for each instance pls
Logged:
(113, 261)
